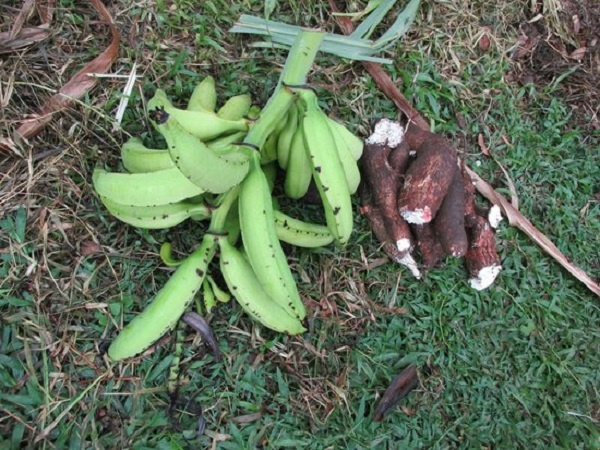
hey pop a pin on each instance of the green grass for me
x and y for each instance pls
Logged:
(515, 366)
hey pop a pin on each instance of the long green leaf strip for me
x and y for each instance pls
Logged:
(357, 46)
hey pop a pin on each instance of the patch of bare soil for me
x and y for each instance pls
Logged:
(559, 46)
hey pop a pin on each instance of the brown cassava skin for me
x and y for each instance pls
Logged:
(376, 219)
(399, 157)
(415, 136)
(469, 194)
(429, 176)
(449, 222)
(482, 247)
(383, 181)
(429, 246)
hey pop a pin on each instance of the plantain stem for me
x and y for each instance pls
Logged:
(297, 65)
(217, 221)
(172, 382)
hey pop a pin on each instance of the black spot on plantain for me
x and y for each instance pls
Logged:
(318, 169)
(200, 272)
(336, 210)
(159, 115)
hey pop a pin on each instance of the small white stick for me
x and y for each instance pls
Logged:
(126, 94)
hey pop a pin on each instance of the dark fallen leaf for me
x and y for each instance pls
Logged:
(484, 148)
(27, 36)
(90, 248)
(80, 84)
(201, 425)
(45, 10)
(198, 323)
(402, 385)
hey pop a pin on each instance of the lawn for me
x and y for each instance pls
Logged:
(514, 366)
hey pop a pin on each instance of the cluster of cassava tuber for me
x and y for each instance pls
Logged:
(418, 196)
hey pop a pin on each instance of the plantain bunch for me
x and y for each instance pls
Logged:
(215, 169)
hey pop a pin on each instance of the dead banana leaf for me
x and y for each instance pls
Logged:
(77, 86)
(45, 10)
(515, 218)
(25, 37)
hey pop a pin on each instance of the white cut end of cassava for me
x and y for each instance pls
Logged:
(419, 216)
(485, 277)
(409, 262)
(495, 216)
(403, 245)
(387, 132)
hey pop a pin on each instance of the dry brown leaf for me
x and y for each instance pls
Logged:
(45, 10)
(484, 148)
(522, 47)
(21, 18)
(90, 248)
(27, 36)
(408, 411)
(578, 54)
(484, 40)
(80, 84)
